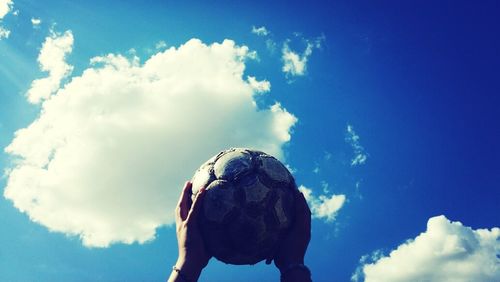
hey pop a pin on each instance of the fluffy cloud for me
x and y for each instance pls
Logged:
(259, 86)
(323, 206)
(5, 8)
(447, 251)
(352, 138)
(260, 31)
(264, 32)
(4, 33)
(36, 22)
(110, 150)
(52, 59)
(271, 45)
(160, 45)
(295, 64)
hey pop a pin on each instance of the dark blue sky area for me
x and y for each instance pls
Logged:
(420, 82)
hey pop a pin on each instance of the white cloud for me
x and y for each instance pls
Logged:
(352, 138)
(327, 156)
(316, 169)
(271, 45)
(5, 7)
(52, 59)
(260, 31)
(36, 22)
(259, 86)
(161, 45)
(4, 33)
(110, 150)
(295, 64)
(446, 251)
(357, 189)
(323, 206)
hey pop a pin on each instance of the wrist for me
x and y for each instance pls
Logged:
(295, 272)
(283, 265)
(191, 270)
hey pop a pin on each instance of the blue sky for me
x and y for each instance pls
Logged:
(387, 114)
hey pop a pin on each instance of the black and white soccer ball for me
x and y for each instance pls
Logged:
(248, 204)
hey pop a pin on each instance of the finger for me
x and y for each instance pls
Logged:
(270, 259)
(273, 253)
(189, 200)
(186, 187)
(306, 216)
(197, 203)
(302, 211)
(301, 205)
(185, 201)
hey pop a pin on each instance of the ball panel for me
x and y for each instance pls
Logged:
(203, 177)
(286, 206)
(256, 192)
(274, 169)
(245, 233)
(216, 243)
(280, 213)
(219, 201)
(232, 164)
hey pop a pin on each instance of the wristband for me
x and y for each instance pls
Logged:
(181, 275)
(293, 266)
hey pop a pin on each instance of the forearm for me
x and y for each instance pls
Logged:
(295, 273)
(174, 277)
(185, 272)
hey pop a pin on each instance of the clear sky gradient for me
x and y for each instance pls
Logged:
(397, 122)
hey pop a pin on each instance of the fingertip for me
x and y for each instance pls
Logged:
(302, 195)
(301, 199)
(302, 210)
(201, 192)
(197, 203)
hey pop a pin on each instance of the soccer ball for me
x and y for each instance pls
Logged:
(248, 204)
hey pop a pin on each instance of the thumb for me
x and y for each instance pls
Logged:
(272, 255)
